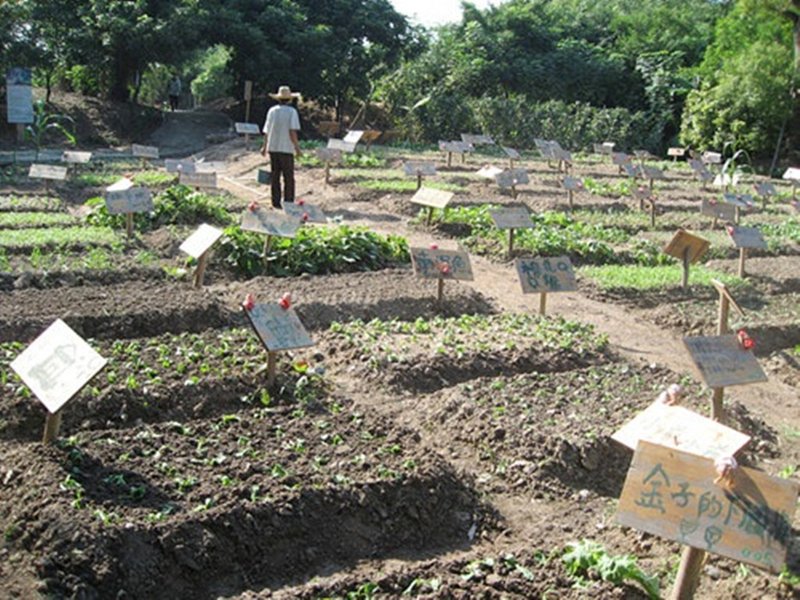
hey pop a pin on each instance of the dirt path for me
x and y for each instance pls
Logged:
(184, 131)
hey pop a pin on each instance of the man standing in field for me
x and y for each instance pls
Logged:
(280, 140)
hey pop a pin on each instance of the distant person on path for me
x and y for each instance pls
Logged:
(280, 140)
(174, 92)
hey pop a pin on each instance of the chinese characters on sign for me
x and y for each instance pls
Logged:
(722, 361)
(279, 328)
(546, 275)
(672, 494)
(441, 264)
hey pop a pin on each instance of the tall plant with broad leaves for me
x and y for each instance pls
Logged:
(45, 122)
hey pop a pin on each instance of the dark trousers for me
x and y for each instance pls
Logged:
(173, 102)
(281, 163)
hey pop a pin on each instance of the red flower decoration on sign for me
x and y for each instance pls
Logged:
(300, 202)
(712, 202)
(730, 229)
(285, 301)
(745, 341)
(249, 302)
(305, 217)
(253, 206)
(444, 268)
(434, 246)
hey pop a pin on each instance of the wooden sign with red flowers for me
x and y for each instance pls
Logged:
(305, 212)
(725, 360)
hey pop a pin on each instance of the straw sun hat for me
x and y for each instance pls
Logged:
(285, 93)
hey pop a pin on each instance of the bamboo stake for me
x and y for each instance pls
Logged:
(542, 303)
(200, 270)
(51, 427)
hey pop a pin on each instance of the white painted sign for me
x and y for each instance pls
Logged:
(511, 153)
(680, 428)
(712, 158)
(279, 328)
(47, 172)
(746, 237)
(270, 222)
(201, 240)
(516, 217)
(131, 200)
(120, 185)
(477, 140)
(19, 95)
(247, 128)
(676, 152)
(179, 165)
(546, 275)
(765, 189)
(144, 151)
(512, 178)
(792, 173)
(341, 145)
(432, 263)
(489, 172)
(433, 198)
(456, 147)
(722, 362)
(199, 180)
(57, 365)
(353, 137)
(413, 169)
(305, 212)
(76, 157)
(329, 155)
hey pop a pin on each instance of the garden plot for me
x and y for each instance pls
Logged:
(26, 203)
(217, 507)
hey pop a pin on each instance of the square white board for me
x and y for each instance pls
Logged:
(512, 178)
(722, 362)
(144, 151)
(353, 136)
(792, 173)
(247, 128)
(329, 155)
(441, 264)
(278, 328)
(433, 198)
(341, 145)
(270, 222)
(54, 172)
(131, 200)
(305, 212)
(57, 365)
(746, 237)
(201, 240)
(412, 169)
(489, 172)
(546, 275)
(718, 210)
(516, 217)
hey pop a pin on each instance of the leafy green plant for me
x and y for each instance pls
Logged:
(647, 278)
(45, 122)
(615, 189)
(586, 557)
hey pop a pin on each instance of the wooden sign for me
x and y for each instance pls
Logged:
(432, 198)
(305, 213)
(19, 95)
(120, 185)
(199, 180)
(47, 172)
(415, 169)
(510, 178)
(370, 136)
(572, 183)
(738, 200)
(269, 222)
(144, 151)
(672, 494)
(49, 155)
(632, 170)
(765, 189)
(477, 140)
(511, 153)
(607, 148)
(76, 157)
(247, 128)
(620, 158)
(278, 328)
(676, 152)
(725, 293)
(353, 137)
(683, 241)
(653, 173)
(517, 217)
(184, 165)
(130, 200)
(201, 240)
(441, 264)
(546, 275)
(341, 145)
(248, 89)
(718, 210)
(329, 155)
(489, 172)
(681, 429)
(792, 173)
(712, 158)
(560, 154)
(746, 237)
(210, 166)
(57, 365)
(722, 362)
(455, 147)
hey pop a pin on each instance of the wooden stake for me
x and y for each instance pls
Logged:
(449, 159)
(440, 291)
(272, 362)
(267, 246)
(742, 257)
(510, 163)
(688, 574)
(430, 216)
(722, 314)
(542, 303)
(419, 180)
(652, 214)
(51, 427)
(463, 158)
(651, 184)
(569, 195)
(327, 172)
(200, 270)
(514, 192)
(510, 242)
(129, 225)
(20, 133)
(685, 276)
(736, 215)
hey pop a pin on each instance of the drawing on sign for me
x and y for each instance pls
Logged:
(130, 200)
(304, 212)
(270, 222)
(74, 156)
(718, 210)
(746, 237)
(247, 128)
(684, 241)
(517, 217)
(278, 328)
(672, 494)
(722, 362)
(200, 180)
(184, 165)
(201, 240)
(414, 169)
(19, 95)
(57, 365)
(682, 429)
(144, 151)
(432, 198)
(432, 263)
(511, 178)
(47, 172)
(546, 275)
(341, 145)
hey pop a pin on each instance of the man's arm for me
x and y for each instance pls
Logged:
(295, 142)
(264, 145)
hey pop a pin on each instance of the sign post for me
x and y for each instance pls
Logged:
(433, 263)
(766, 190)
(432, 198)
(546, 275)
(123, 198)
(646, 195)
(744, 238)
(688, 248)
(198, 246)
(56, 366)
(571, 184)
(419, 169)
(328, 156)
(271, 223)
(247, 129)
(511, 219)
(792, 174)
(511, 178)
(19, 99)
(512, 155)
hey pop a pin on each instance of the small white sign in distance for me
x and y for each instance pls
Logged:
(54, 172)
(431, 263)
(305, 212)
(76, 157)
(511, 153)
(353, 137)
(200, 180)
(546, 275)
(489, 172)
(712, 158)
(131, 200)
(329, 155)
(721, 361)
(477, 139)
(57, 365)
(120, 185)
(179, 165)
(792, 173)
(516, 217)
(341, 145)
(247, 128)
(210, 166)
(279, 328)
(455, 147)
(433, 198)
(270, 222)
(144, 151)
(201, 240)
(683, 429)
(746, 237)
(412, 169)
(607, 148)
(511, 178)
(676, 152)
(765, 189)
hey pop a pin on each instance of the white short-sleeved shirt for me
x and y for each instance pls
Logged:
(281, 119)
